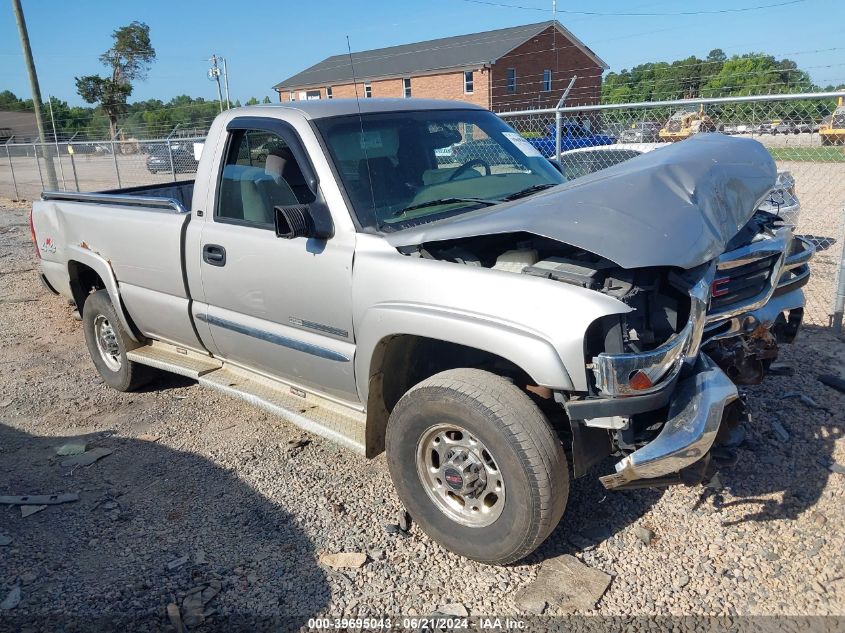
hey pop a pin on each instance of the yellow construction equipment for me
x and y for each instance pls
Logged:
(832, 128)
(685, 123)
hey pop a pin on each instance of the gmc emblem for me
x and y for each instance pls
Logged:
(719, 287)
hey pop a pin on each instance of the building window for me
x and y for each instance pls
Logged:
(290, 95)
(547, 80)
(511, 79)
(368, 91)
(468, 83)
(406, 87)
(311, 95)
(328, 92)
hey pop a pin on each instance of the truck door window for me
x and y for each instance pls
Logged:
(259, 174)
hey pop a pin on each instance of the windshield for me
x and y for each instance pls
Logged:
(401, 169)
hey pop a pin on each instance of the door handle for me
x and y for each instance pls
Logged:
(214, 254)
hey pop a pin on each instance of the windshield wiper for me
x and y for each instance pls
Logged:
(439, 201)
(528, 191)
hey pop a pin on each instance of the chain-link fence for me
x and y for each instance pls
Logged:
(94, 165)
(804, 133)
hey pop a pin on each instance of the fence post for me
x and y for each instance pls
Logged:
(116, 168)
(38, 164)
(839, 299)
(170, 152)
(12, 169)
(73, 165)
(559, 116)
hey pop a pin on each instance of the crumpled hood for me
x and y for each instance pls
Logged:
(674, 206)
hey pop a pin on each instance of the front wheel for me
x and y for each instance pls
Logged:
(477, 465)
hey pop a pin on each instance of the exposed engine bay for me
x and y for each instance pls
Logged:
(657, 295)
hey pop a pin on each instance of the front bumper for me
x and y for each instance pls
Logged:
(695, 413)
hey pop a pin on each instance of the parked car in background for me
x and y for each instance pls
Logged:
(781, 201)
(641, 132)
(573, 134)
(159, 160)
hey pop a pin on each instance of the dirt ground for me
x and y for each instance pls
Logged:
(201, 491)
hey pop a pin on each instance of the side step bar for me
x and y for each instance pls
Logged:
(308, 411)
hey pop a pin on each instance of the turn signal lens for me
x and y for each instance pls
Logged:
(640, 381)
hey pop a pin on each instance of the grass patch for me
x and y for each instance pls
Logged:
(834, 154)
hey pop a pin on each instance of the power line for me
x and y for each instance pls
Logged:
(639, 14)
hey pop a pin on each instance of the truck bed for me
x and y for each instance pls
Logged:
(175, 195)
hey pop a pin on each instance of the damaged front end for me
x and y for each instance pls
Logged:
(758, 301)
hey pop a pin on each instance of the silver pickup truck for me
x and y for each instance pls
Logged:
(413, 277)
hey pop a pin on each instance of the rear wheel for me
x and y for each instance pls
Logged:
(477, 465)
(108, 343)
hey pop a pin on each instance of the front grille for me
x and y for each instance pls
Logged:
(735, 285)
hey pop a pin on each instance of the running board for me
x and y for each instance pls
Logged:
(308, 411)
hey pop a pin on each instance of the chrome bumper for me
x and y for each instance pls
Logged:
(695, 413)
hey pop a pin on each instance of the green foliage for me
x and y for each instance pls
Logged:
(129, 59)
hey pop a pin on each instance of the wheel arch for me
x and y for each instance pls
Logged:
(396, 362)
(89, 271)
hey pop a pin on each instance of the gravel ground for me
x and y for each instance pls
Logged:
(205, 491)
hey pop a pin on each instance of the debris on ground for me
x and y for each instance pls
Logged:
(6, 403)
(5, 539)
(30, 510)
(804, 399)
(781, 369)
(404, 522)
(830, 380)
(194, 612)
(839, 469)
(453, 609)
(175, 617)
(681, 581)
(32, 500)
(146, 437)
(176, 563)
(88, 457)
(394, 530)
(645, 534)
(780, 431)
(297, 444)
(343, 560)
(71, 448)
(12, 599)
(566, 583)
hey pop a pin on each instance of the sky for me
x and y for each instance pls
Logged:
(267, 41)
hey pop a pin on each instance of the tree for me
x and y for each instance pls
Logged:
(252, 101)
(129, 58)
(266, 99)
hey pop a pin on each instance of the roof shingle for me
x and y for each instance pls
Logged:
(459, 51)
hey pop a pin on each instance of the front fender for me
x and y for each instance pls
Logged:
(537, 324)
(526, 349)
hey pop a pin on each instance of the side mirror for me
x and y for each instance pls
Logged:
(303, 220)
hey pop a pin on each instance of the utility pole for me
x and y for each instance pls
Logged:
(36, 91)
(214, 75)
(226, 82)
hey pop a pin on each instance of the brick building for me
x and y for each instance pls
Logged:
(516, 68)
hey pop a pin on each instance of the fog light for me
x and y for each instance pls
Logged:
(639, 381)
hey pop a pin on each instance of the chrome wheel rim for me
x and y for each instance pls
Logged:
(460, 475)
(107, 344)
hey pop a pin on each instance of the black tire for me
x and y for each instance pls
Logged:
(129, 375)
(527, 453)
